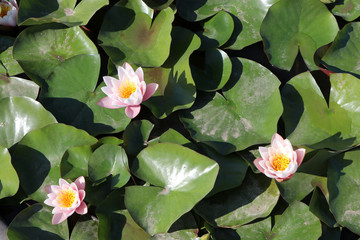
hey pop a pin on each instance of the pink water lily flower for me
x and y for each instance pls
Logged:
(279, 161)
(129, 91)
(8, 13)
(67, 198)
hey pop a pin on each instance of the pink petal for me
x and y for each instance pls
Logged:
(63, 183)
(150, 90)
(82, 209)
(132, 111)
(81, 195)
(276, 140)
(48, 189)
(49, 202)
(127, 67)
(140, 73)
(107, 102)
(80, 183)
(257, 165)
(300, 155)
(109, 81)
(107, 90)
(264, 152)
(58, 218)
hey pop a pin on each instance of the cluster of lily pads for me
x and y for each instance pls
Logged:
(151, 119)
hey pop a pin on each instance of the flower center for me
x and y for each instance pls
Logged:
(280, 162)
(66, 198)
(5, 7)
(127, 89)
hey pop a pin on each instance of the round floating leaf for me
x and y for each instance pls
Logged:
(295, 223)
(131, 33)
(14, 86)
(158, 4)
(255, 198)
(211, 72)
(40, 49)
(179, 176)
(172, 136)
(246, 115)
(33, 12)
(248, 16)
(344, 189)
(259, 230)
(37, 156)
(34, 222)
(343, 55)
(136, 136)
(347, 9)
(85, 228)
(115, 221)
(8, 65)
(319, 207)
(176, 85)
(183, 234)
(9, 181)
(336, 126)
(217, 30)
(20, 115)
(290, 26)
(75, 162)
(109, 160)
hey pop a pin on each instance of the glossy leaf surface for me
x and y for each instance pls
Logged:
(9, 181)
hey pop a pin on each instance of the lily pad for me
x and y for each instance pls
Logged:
(347, 9)
(74, 162)
(136, 136)
(260, 230)
(14, 86)
(255, 198)
(9, 181)
(246, 114)
(343, 183)
(177, 174)
(85, 228)
(8, 65)
(344, 53)
(34, 222)
(158, 4)
(33, 12)
(176, 85)
(248, 16)
(37, 156)
(131, 33)
(319, 206)
(318, 125)
(290, 26)
(20, 115)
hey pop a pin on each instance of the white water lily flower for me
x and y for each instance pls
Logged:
(8, 13)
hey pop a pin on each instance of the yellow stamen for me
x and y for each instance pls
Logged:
(5, 7)
(66, 198)
(280, 162)
(127, 89)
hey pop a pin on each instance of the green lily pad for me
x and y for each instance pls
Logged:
(136, 136)
(318, 125)
(290, 26)
(14, 86)
(37, 156)
(246, 114)
(300, 185)
(343, 55)
(131, 33)
(295, 222)
(255, 198)
(173, 136)
(178, 175)
(34, 222)
(212, 71)
(158, 4)
(176, 85)
(217, 30)
(8, 65)
(20, 115)
(347, 9)
(115, 221)
(109, 160)
(259, 230)
(182, 234)
(9, 181)
(319, 207)
(343, 183)
(33, 12)
(74, 162)
(248, 16)
(85, 228)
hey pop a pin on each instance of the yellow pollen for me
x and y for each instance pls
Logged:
(5, 7)
(127, 89)
(66, 198)
(280, 162)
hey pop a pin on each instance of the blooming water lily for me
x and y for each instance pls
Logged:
(67, 198)
(279, 161)
(8, 13)
(128, 91)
